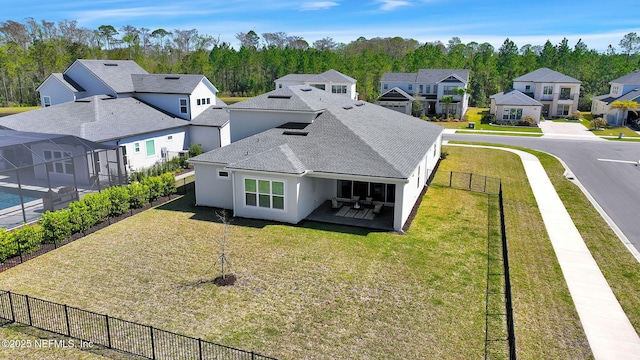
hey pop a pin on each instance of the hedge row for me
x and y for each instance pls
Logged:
(92, 209)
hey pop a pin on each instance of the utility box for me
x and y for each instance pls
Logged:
(472, 125)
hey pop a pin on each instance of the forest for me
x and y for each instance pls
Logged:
(31, 50)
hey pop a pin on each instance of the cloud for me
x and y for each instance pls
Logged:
(318, 5)
(388, 5)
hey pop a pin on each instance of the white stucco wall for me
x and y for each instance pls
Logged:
(212, 189)
(89, 82)
(140, 160)
(207, 136)
(168, 102)
(245, 123)
(312, 192)
(408, 193)
(79, 163)
(202, 91)
(533, 111)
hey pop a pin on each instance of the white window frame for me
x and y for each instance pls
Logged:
(339, 89)
(512, 114)
(136, 147)
(146, 147)
(184, 108)
(46, 101)
(563, 107)
(258, 194)
(220, 176)
(58, 162)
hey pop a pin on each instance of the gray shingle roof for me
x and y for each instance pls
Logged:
(630, 95)
(632, 78)
(288, 98)
(365, 140)
(115, 73)
(547, 75)
(327, 76)
(165, 83)
(97, 118)
(215, 116)
(388, 94)
(68, 82)
(426, 76)
(514, 97)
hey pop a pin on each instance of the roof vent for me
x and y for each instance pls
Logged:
(172, 77)
(295, 133)
(279, 96)
(348, 107)
(110, 64)
(306, 89)
(360, 103)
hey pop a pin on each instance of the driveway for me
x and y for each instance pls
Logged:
(566, 130)
(605, 168)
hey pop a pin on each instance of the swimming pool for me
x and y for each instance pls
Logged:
(9, 197)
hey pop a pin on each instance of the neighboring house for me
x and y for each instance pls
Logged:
(624, 88)
(558, 93)
(430, 86)
(396, 99)
(330, 81)
(116, 102)
(512, 105)
(297, 147)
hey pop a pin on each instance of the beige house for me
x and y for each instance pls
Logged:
(558, 93)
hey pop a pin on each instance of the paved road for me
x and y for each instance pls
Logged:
(614, 185)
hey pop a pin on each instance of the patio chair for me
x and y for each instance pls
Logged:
(367, 201)
(377, 208)
(355, 199)
(335, 204)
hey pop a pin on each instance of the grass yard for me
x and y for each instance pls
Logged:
(232, 100)
(476, 114)
(333, 292)
(315, 291)
(4, 111)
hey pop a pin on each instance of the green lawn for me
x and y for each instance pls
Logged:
(476, 114)
(4, 111)
(232, 100)
(325, 291)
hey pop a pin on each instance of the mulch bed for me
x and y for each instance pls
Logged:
(227, 281)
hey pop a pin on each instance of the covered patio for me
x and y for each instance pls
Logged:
(345, 214)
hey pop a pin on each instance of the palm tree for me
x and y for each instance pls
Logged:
(446, 100)
(625, 106)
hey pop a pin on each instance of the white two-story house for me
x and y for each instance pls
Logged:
(116, 102)
(558, 93)
(429, 86)
(623, 88)
(330, 81)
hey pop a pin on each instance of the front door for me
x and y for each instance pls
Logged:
(545, 111)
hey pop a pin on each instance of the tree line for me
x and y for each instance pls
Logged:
(32, 50)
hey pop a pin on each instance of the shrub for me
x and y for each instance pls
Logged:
(28, 238)
(119, 198)
(528, 120)
(138, 195)
(155, 187)
(99, 205)
(8, 245)
(168, 184)
(598, 123)
(195, 150)
(489, 118)
(80, 216)
(55, 226)
(574, 117)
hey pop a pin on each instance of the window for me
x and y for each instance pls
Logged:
(385, 86)
(418, 177)
(527, 88)
(427, 89)
(563, 110)
(279, 86)
(565, 94)
(512, 114)
(420, 89)
(208, 101)
(347, 189)
(198, 101)
(46, 101)
(136, 147)
(223, 174)
(264, 193)
(548, 90)
(58, 161)
(614, 90)
(170, 137)
(339, 89)
(183, 106)
(318, 86)
(151, 147)
(449, 90)
(410, 87)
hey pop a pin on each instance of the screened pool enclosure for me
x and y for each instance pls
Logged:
(40, 172)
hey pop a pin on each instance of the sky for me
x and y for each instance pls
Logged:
(522, 21)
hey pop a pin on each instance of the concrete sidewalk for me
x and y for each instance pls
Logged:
(608, 330)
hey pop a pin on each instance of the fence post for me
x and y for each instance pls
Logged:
(28, 310)
(19, 250)
(253, 355)
(470, 181)
(200, 348)
(153, 346)
(13, 314)
(66, 315)
(108, 332)
(450, 178)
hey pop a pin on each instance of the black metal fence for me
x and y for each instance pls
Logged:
(94, 329)
(500, 340)
(467, 181)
